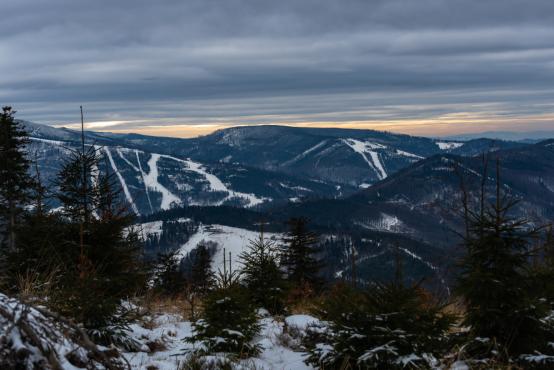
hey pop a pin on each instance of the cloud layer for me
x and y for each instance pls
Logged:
(415, 66)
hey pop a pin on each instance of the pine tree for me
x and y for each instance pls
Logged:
(169, 279)
(299, 254)
(261, 273)
(15, 181)
(385, 326)
(496, 282)
(228, 322)
(91, 246)
(201, 276)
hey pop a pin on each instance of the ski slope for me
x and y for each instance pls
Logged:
(234, 240)
(363, 148)
(151, 182)
(216, 184)
(122, 181)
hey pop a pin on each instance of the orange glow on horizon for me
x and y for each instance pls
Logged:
(448, 124)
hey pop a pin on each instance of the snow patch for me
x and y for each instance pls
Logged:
(443, 145)
(53, 142)
(407, 154)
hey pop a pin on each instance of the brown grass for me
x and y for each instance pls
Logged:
(163, 304)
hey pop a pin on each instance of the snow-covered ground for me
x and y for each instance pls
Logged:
(385, 222)
(169, 331)
(448, 145)
(407, 154)
(217, 185)
(151, 182)
(365, 147)
(122, 181)
(234, 240)
(305, 153)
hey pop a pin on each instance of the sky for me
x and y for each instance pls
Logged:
(188, 67)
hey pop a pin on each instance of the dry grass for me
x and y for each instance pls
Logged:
(303, 300)
(162, 304)
(34, 287)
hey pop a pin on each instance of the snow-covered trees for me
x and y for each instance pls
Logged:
(228, 322)
(384, 326)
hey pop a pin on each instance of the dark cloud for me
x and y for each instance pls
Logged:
(232, 61)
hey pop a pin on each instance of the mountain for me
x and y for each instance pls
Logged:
(151, 182)
(374, 193)
(243, 166)
(356, 158)
(524, 136)
(423, 201)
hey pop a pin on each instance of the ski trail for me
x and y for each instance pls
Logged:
(217, 185)
(428, 264)
(378, 164)
(122, 181)
(363, 148)
(144, 182)
(305, 153)
(151, 181)
(126, 160)
(408, 154)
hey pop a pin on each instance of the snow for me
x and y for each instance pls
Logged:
(407, 154)
(122, 181)
(18, 319)
(305, 153)
(365, 147)
(170, 330)
(459, 365)
(385, 222)
(151, 228)
(299, 188)
(415, 256)
(144, 181)
(54, 142)
(301, 322)
(377, 163)
(443, 145)
(120, 152)
(151, 182)
(217, 185)
(233, 239)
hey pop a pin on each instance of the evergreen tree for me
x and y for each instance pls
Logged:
(90, 249)
(15, 181)
(496, 282)
(228, 322)
(386, 326)
(201, 276)
(299, 254)
(261, 273)
(169, 278)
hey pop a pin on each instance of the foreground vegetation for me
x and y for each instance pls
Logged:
(84, 263)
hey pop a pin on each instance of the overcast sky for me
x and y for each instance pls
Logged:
(185, 67)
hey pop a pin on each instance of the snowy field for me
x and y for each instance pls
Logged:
(234, 240)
